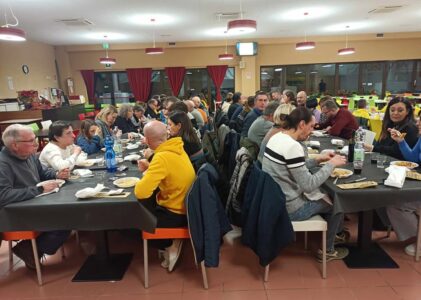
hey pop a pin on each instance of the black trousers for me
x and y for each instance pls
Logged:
(165, 219)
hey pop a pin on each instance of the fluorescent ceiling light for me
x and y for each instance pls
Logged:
(326, 66)
(278, 69)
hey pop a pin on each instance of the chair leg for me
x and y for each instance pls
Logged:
(145, 262)
(36, 258)
(266, 276)
(305, 240)
(324, 275)
(204, 275)
(10, 255)
(418, 244)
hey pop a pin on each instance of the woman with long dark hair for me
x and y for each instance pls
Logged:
(399, 116)
(88, 138)
(180, 125)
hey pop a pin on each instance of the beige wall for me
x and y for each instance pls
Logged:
(40, 60)
(247, 79)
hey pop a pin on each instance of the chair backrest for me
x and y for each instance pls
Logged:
(363, 122)
(46, 124)
(34, 126)
(376, 126)
(81, 117)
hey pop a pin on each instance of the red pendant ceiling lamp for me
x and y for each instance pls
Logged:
(347, 50)
(9, 31)
(306, 45)
(154, 50)
(241, 26)
(107, 60)
(226, 55)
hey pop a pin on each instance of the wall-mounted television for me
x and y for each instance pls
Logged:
(246, 49)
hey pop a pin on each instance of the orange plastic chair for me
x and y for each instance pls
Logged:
(24, 235)
(167, 233)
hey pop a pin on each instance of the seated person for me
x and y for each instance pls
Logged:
(260, 102)
(124, 119)
(60, 152)
(311, 104)
(240, 114)
(105, 120)
(20, 172)
(180, 125)
(152, 110)
(284, 160)
(88, 139)
(261, 126)
(403, 217)
(235, 104)
(361, 113)
(399, 116)
(172, 172)
(340, 121)
(138, 118)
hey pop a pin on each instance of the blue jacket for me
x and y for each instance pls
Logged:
(266, 224)
(89, 147)
(208, 222)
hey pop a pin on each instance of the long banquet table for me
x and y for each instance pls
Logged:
(367, 254)
(62, 210)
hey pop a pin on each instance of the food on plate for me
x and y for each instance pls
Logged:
(406, 164)
(413, 175)
(341, 173)
(126, 182)
(85, 163)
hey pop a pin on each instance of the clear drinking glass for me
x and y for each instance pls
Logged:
(381, 161)
(100, 159)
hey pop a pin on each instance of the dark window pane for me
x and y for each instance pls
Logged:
(271, 77)
(372, 78)
(348, 78)
(399, 77)
(321, 79)
(418, 78)
(296, 78)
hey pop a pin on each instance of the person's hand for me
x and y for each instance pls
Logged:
(368, 147)
(77, 150)
(396, 135)
(328, 128)
(338, 160)
(325, 157)
(142, 165)
(147, 153)
(63, 173)
(130, 136)
(49, 186)
(119, 133)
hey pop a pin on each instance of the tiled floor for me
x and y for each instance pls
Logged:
(294, 275)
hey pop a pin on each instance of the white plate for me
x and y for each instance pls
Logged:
(119, 159)
(132, 146)
(406, 164)
(86, 163)
(132, 157)
(60, 182)
(343, 173)
(126, 182)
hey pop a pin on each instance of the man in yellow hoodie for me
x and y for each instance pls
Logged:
(172, 172)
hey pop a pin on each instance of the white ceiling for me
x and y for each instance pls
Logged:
(127, 21)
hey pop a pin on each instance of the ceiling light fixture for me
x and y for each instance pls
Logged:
(226, 55)
(106, 60)
(306, 45)
(241, 25)
(154, 50)
(347, 50)
(9, 31)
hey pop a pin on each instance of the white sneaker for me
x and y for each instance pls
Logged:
(411, 249)
(235, 233)
(174, 253)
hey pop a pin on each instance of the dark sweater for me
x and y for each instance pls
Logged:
(342, 124)
(18, 177)
(125, 125)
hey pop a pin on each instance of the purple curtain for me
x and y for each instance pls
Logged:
(175, 77)
(88, 78)
(140, 83)
(217, 73)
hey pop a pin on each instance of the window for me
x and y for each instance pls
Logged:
(271, 77)
(348, 78)
(112, 87)
(296, 78)
(372, 78)
(321, 79)
(417, 81)
(399, 76)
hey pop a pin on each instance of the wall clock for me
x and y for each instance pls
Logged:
(25, 69)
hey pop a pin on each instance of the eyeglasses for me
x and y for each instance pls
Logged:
(34, 141)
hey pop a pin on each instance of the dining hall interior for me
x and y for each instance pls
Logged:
(64, 65)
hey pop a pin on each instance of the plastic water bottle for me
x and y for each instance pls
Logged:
(359, 150)
(110, 161)
(118, 148)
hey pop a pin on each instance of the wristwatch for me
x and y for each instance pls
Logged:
(40, 189)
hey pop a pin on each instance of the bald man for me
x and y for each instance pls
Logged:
(301, 98)
(200, 108)
(172, 172)
(196, 114)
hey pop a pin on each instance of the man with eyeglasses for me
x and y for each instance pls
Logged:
(20, 172)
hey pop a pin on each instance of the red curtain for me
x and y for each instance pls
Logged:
(140, 83)
(217, 73)
(88, 78)
(175, 77)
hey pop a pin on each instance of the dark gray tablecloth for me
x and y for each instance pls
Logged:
(63, 210)
(355, 200)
